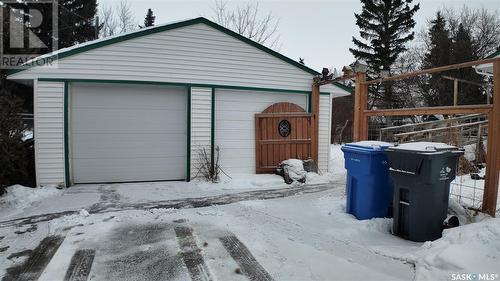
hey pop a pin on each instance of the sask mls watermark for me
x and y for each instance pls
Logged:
(474, 276)
(29, 28)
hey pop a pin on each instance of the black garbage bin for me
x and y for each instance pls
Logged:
(422, 173)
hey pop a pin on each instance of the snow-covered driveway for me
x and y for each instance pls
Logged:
(253, 229)
(291, 238)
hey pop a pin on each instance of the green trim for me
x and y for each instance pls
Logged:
(120, 38)
(494, 54)
(188, 144)
(139, 82)
(67, 180)
(212, 129)
(344, 87)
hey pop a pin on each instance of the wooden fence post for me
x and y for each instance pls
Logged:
(364, 106)
(358, 109)
(493, 153)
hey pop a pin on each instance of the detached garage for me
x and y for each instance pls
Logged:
(140, 106)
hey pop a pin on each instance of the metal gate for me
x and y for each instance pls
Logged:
(282, 131)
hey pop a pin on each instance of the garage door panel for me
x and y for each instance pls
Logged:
(125, 133)
(115, 120)
(94, 95)
(130, 145)
(111, 170)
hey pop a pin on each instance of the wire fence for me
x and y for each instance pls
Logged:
(469, 132)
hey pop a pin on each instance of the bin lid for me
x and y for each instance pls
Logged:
(372, 145)
(424, 147)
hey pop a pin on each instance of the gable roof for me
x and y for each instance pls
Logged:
(90, 45)
(494, 54)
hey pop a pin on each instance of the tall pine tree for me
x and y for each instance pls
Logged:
(462, 50)
(149, 20)
(438, 91)
(385, 26)
(75, 25)
(76, 22)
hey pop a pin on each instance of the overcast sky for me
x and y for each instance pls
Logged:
(319, 31)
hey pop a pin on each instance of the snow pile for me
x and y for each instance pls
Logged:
(313, 178)
(470, 152)
(467, 191)
(20, 197)
(473, 248)
(242, 182)
(373, 144)
(294, 168)
(84, 213)
(336, 165)
(424, 146)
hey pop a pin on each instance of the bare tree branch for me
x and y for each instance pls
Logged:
(126, 19)
(109, 23)
(483, 24)
(247, 20)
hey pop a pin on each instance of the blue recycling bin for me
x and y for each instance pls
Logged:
(369, 185)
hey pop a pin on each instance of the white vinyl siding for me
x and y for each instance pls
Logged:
(196, 54)
(235, 125)
(325, 111)
(125, 133)
(49, 132)
(201, 124)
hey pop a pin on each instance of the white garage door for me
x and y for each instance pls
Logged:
(235, 125)
(123, 133)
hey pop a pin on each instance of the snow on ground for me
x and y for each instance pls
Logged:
(243, 182)
(20, 197)
(315, 241)
(26, 201)
(467, 191)
(307, 237)
(302, 237)
(470, 249)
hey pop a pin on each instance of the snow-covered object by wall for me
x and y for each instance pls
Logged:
(461, 250)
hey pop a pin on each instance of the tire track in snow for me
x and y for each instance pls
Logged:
(33, 266)
(297, 228)
(191, 254)
(250, 267)
(186, 203)
(80, 265)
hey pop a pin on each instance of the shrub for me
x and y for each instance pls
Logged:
(14, 152)
(208, 169)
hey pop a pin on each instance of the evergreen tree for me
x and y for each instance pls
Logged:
(462, 50)
(76, 25)
(149, 20)
(76, 22)
(385, 26)
(14, 158)
(438, 91)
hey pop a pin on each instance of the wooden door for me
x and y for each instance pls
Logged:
(282, 131)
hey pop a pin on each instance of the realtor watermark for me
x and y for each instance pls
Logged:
(29, 28)
(474, 276)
